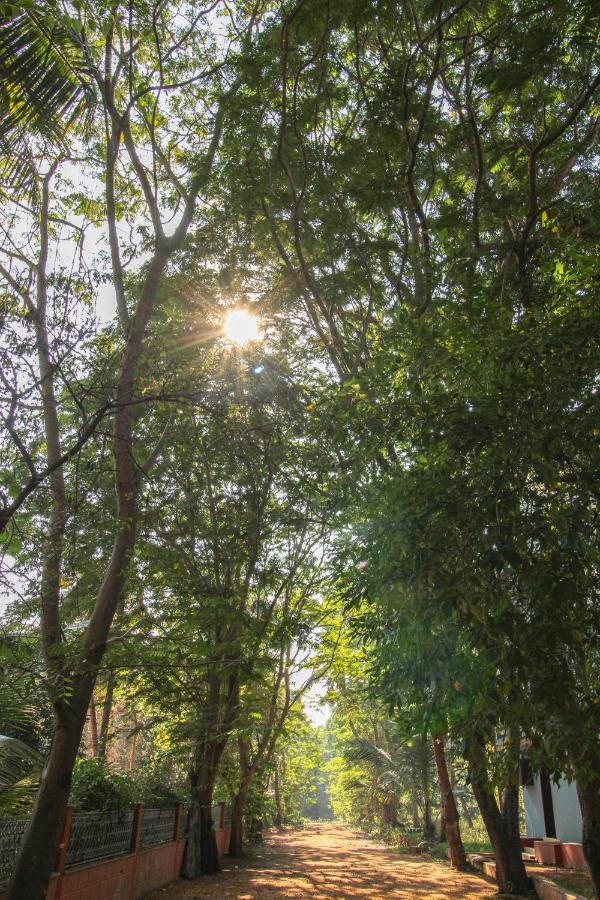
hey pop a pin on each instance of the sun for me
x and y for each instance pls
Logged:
(240, 327)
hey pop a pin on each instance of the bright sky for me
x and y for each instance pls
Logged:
(317, 711)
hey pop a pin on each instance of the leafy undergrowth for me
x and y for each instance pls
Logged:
(475, 838)
(438, 851)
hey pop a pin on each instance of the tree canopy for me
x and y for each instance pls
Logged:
(384, 492)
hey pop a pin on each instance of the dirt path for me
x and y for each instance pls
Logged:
(329, 861)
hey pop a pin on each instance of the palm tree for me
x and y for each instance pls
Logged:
(406, 767)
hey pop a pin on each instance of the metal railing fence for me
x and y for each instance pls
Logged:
(99, 836)
(158, 827)
(11, 833)
(96, 836)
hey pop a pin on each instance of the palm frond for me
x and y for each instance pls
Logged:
(361, 750)
(42, 72)
(20, 768)
(16, 755)
(17, 166)
(18, 798)
(357, 785)
(390, 781)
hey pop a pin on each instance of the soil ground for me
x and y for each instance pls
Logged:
(329, 861)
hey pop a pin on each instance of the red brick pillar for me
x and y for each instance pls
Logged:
(136, 831)
(61, 856)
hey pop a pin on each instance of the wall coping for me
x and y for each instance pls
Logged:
(550, 890)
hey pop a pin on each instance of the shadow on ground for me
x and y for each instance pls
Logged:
(329, 861)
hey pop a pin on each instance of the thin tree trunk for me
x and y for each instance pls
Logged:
(52, 547)
(428, 826)
(247, 772)
(133, 744)
(202, 856)
(465, 809)
(37, 855)
(278, 822)
(106, 714)
(415, 814)
(461, 797)
(390, 810)
(93, 726)
(250, 767)
(458, 857)
(510, 870)
(374, 791)
(237, 820)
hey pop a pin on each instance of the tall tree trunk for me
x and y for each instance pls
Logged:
(510, 870)
(40, 846)
(201, 852)
(443, 838)
(278, 822)
(202, 856)
(40, 842)
(106, 713)
(389, 810)
(38, 851)
(133, 744)
(466, 812)
(93, 726)
(238, 809)
(458, 857)
(415, 814)
(589, 801)
(462, 800)
(510, 813)
(428, 826)
(250, 767)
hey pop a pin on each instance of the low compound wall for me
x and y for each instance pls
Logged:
(130, 875)
(124, 878)
(545, 889)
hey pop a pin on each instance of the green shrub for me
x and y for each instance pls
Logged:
(95, 787)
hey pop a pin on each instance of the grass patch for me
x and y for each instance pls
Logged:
(477, 846)
(475, 839)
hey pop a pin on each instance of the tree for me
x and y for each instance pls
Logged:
(138, 93)
(457, 208)
(229, 563)
(409, 195)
